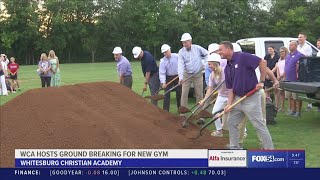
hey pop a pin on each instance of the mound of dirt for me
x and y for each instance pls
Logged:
(102, 115)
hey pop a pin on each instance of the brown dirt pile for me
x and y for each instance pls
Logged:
(102, 115)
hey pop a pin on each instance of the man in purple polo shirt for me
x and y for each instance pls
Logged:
(241, 78)
(290, 73)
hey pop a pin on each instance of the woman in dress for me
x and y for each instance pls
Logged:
(55, 78)
(280, 76)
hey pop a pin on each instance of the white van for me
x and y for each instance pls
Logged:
(259, 45)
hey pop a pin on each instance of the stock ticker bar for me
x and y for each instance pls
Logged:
(141, 173)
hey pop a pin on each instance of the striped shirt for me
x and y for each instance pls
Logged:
(124, 66)
(168, 67)
(191, 61)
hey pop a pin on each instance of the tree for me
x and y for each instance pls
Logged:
(21, 28)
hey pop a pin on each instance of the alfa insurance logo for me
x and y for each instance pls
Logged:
(227, 158)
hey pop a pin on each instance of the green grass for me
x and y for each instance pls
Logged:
(288, 133)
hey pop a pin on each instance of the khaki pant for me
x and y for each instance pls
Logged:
(197, 81)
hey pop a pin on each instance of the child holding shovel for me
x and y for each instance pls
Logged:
(216, 77)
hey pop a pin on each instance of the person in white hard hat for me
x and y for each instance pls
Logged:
(123, 67)
(150, 71)
(191, 63)
(168, 70)
(213, 48)
(216, 77)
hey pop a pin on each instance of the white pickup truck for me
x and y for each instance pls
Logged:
(309, 67)
(259, 45)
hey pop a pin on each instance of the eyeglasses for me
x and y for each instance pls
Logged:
(281, 51)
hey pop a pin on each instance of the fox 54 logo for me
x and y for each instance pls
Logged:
(267, 158)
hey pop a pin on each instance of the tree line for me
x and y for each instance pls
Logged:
(87, 30)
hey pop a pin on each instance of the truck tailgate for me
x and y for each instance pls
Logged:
(301, 87)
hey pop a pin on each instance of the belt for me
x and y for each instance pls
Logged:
(172, 76)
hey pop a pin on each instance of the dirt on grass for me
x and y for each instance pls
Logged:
(102, 115)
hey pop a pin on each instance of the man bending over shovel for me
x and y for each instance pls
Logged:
(240, 78)
(150, 71)
(168, 71)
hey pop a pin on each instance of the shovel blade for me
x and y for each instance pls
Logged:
(183, 110)
(157, 97)
(205, 114)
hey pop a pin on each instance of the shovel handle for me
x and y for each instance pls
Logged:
(180, 83)
(218, 114)
(215, 91)
(250, 93)
(172, 80)
(269, 89)
(208, 105)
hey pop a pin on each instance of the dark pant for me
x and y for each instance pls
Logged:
(127, 81)
(45, 81)
(154, 85)
(166, 102)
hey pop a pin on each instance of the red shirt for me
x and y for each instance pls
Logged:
(13, 67)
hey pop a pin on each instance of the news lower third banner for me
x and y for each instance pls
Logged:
(136, 158)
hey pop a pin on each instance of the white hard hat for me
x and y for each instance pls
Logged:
(236, 47)
(165, 48)
(117, 50)
(136, 51)
(213, 47)
(214, 57)
(186, 37)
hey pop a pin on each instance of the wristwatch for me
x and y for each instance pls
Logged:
(261, 81)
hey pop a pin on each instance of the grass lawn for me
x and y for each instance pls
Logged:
(288, 133)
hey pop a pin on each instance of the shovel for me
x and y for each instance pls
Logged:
(269, 89)
(185, 123)
(218, 114)
(162, 88)
(183, 110)
(161, 96)
(204, 113)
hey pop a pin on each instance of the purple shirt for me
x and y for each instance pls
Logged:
(168, 67)
(240, 73)
(124, 66)
(290, 65)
